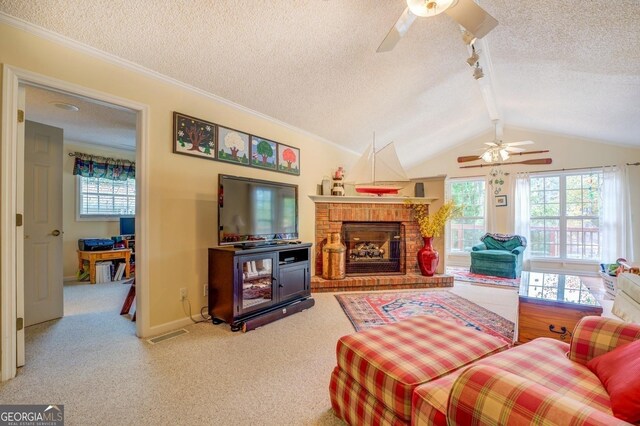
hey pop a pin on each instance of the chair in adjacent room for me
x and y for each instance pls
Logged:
(498, 255)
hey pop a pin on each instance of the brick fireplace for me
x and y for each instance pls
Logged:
(333, 212)
(373, 248)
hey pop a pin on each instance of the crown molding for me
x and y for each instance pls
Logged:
(132, 66)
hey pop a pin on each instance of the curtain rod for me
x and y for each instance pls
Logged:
(582, 168)
(544, 171)
(98, 157)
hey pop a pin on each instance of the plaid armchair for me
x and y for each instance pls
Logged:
(499, 255)
(486, 393)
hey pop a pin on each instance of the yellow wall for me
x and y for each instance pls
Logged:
(73, 228)
(566, 152)
(182, 190)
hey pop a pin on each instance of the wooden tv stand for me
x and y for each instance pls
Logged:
(253, 286)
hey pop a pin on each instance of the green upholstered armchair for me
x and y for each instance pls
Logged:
(499, 255)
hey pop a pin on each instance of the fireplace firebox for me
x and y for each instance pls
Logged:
(373, 247)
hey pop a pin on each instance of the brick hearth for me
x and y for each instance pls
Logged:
(329, 218)
(380, 282)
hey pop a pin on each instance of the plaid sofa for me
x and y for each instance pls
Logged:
(544, 381)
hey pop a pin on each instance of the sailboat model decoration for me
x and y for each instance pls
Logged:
(377, 172)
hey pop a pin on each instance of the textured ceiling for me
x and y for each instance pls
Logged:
(94, 123)
(570, 67)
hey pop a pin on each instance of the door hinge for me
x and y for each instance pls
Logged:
(18, 219)
(20, 116)
(19, 324)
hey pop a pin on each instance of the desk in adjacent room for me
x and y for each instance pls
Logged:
(96, 256)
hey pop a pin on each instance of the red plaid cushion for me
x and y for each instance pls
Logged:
(390, 361)
(541, 361)
(484, 395)
(595, 336)
(355, 405)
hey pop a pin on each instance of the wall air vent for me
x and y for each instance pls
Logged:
(167, 336)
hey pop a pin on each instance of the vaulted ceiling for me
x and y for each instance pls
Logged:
(569, 67)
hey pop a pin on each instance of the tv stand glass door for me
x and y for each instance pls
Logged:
(256, 278)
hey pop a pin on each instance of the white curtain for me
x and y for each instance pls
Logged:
(490, 206)
(616, 239)
(522, 215)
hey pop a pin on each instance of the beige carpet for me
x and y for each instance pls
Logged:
(91, 362)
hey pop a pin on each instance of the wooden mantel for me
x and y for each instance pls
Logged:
(364, 199)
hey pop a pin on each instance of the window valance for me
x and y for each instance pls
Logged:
(87, 165)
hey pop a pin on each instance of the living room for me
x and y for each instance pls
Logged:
(564, 78)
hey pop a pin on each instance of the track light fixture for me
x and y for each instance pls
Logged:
(477, 72)
(474, 58)
(468, 38)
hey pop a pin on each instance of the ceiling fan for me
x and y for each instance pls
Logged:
(498, 150)
(467, 13)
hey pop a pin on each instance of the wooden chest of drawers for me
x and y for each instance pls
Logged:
(550, 305)
(544, 319)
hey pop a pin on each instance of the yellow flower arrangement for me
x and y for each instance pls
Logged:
(432, 225)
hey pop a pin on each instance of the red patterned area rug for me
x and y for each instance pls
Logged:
(367, 310)
(463, 274)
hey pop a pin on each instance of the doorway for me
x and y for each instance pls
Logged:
(79, 184)
(12, 188)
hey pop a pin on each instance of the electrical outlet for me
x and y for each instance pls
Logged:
(183, 293)
(205, 290)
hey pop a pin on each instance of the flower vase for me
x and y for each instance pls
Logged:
(428, 258)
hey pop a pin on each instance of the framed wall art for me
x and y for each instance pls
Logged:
(192, 136)
(501, 201)
(200, 138)
(288, 159)
(264, 153)
(233, 146)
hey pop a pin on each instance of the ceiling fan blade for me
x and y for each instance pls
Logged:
(514, 149)
(467, 158)
(396, 32)
(491, 143)
(472, 17)
(519, 143)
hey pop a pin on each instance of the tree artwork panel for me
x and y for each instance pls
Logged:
(233, 146)
(288, 159)
(200, 138)
(193, 136)
(263, 153)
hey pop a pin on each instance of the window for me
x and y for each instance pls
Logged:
(105, 197)
(465, 231)
(564, 216)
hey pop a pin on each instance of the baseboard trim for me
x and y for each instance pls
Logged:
(168, 326)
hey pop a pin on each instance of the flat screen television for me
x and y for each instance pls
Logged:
(252, 211)
(127, 225)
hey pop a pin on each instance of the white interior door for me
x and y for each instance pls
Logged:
(43, 281)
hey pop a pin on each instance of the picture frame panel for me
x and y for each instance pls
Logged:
(288, 159)
(264, 153)
(193, 136)
(233, 146)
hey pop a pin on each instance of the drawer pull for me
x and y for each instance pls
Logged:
(563, 331)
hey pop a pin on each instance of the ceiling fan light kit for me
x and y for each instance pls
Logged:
(428, 8)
